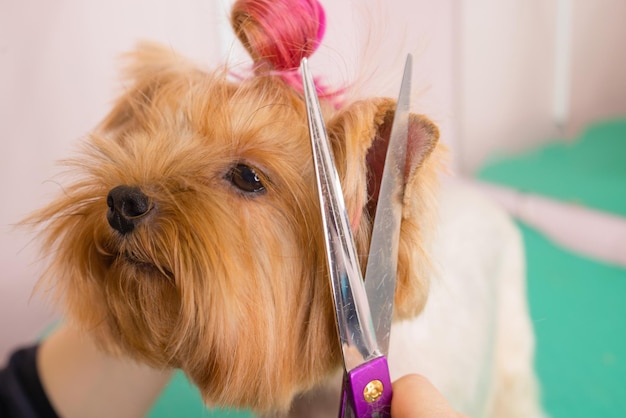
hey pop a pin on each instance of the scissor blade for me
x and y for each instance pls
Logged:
(354, 322)
(382, 263)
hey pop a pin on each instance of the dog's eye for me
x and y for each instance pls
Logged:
(245, 178)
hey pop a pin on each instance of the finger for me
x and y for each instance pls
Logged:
(414, 396)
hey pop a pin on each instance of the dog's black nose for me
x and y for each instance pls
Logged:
(127, 206)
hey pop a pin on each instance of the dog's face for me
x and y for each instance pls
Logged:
(191, 236)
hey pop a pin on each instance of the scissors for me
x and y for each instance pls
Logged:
(363, 309)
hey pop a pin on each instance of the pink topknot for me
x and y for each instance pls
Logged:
(278, 34)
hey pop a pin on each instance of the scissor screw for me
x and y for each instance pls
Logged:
(373, 390)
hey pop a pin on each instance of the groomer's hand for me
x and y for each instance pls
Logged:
(415, 397)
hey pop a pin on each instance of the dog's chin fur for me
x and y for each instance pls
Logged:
(228, 285)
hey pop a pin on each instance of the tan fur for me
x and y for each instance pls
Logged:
(230, 287)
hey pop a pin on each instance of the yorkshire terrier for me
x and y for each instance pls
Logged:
(190, 236)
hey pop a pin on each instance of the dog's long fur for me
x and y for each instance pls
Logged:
(227, 285)
(221, 279)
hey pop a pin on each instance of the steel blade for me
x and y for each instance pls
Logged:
(354, 322)
(382, 263)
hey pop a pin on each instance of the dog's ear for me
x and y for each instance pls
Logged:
(422, 139)
(149, 69)
(360, 134)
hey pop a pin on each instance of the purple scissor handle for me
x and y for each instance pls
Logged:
(363, 311)
(366, 390)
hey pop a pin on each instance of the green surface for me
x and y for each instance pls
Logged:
(578, 308)
(182, 399)
(578, 305)
(590, 170)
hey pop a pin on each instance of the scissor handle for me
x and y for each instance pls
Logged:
(366, 391)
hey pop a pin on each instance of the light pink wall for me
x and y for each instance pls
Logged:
(598, 81)
(507, 69)
(507, 73)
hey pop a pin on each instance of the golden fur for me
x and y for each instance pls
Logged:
(229, 286)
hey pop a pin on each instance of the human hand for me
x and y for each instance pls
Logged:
(414, 396)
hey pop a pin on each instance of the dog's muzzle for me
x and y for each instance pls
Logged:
(128, 206)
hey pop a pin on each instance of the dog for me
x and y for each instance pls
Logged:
(190, 237)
